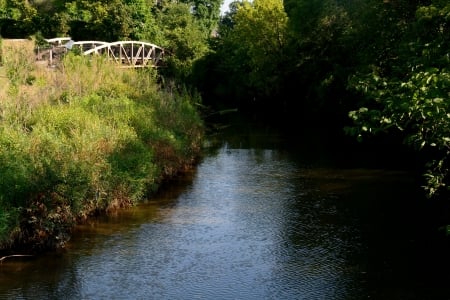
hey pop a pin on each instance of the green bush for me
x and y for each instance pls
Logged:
(104, 139)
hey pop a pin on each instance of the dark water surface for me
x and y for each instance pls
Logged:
(255, 220)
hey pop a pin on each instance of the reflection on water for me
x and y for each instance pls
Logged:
(248, 223)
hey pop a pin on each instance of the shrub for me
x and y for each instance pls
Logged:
(83, 139)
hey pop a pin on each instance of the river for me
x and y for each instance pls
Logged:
(258, 218)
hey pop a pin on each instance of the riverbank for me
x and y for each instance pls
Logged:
(83, 139)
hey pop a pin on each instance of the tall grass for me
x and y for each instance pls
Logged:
(83, 139)
(1, 51)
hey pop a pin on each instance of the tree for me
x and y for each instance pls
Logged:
(82, 19)
(207, 12)
(144, 23)
(320, 34)
(260, 32)
(185, 40)
(411, 93)
(248, 53)
(17, 18)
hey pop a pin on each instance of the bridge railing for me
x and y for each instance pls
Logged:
(52, 51)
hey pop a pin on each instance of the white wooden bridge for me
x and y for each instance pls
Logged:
(126, 54)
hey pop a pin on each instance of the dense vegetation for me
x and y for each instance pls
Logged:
(83, 139)
(371, 67)
(367, 66)
(181, 27)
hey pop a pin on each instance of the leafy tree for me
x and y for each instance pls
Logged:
(220, 74)
(144, 23)
(411, 94)
(16, 18)
(321, 34)
(102, 20)
(226, 22)
(260, 32)
(207, 12)
(185, 39)
(98, 20)
(304, 15)
(246, 63)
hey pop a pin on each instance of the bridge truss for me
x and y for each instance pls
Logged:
(130, 54)
(126, 54)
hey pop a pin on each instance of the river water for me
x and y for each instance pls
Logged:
(256, 219)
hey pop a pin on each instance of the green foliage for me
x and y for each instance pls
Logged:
(260, 32)
(207, 12)
(99, 20)
(305, 15)
(176, 114)
(248, 57)
(16, 168)
(97, 142)
(17, 18)
(186, 40)
(266, 52)
(18, 64)
(89, 137)
(144, 23)
(17, 178)
(70, 144)
(322, 52)
(412, 93)
(417, 105)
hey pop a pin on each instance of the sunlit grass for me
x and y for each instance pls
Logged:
(83, 138)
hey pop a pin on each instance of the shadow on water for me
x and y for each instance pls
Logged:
(394, 244)
(259, 218)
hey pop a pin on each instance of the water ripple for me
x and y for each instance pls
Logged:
(251, 224)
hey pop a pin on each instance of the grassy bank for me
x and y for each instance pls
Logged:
(83, 139)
